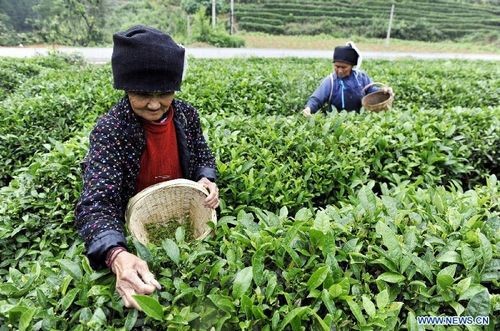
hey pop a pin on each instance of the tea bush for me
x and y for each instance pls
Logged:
(353, 221)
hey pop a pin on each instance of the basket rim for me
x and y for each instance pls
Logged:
(384, 105)
(174, 183)
(179, 182)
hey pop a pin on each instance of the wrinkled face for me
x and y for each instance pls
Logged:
(150, 106)
(342, 69)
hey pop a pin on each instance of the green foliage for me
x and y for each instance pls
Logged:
(282, 86)
(384, 243)
(194, 6)
(14, 72)
(413, 20)
(162, 15)
(19, 13)
(75, 96)
(70, 97)
(367, 262)
(417, 30)
(202, 31)
(6, 36)
(70, 22)
(273, 161)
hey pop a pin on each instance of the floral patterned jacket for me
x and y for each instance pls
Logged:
(111, 166)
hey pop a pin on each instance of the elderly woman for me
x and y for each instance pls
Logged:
(147, 137)
(344, 88)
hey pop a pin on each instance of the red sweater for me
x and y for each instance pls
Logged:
(160, 159)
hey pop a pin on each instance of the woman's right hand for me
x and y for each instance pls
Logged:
(133, 277)
(306, 112)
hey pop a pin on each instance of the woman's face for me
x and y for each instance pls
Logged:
(342, 69)
(150, 106)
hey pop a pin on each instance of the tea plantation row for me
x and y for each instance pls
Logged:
(372, 261)
(417, 20)
(73, 97)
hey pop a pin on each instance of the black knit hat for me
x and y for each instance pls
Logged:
(346, 54)
(146, 60)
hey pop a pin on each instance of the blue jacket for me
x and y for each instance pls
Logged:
(345, 94)
(111, 166)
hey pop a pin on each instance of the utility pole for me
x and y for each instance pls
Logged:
(231, 17)
(213, 14)
(390, 24)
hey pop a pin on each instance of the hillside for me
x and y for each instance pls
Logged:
(413, 20)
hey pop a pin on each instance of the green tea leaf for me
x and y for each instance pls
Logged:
(444, 281)
(142, 251)
(449, 257)
(411, 322)
(272, 282)
(459, 309)
(321, 322)
(449, 270)
(296, 312)
(303, 214)
(468, 257)
(382, 299)
(322, 222)
(41, 297)
(327, 301)
(391, 277)
(150, 306)
(98, 317)
(214, 273)
(172, 250)
(242, 282)
(131, 319)
(72, 268)
(258, 267)
(472, 291)
(246, 305)
(26, 318)
(68, 299)
(410, 239)
(8, 289)
(423, 267)
(438, 202)
(486, 249)
(283, 212)
(85, 315)
(222, 302)
(318, 277)
(463, 285)
(356, 310)
(389, 239)
(258, 312)
(368, 306)
(479, 304)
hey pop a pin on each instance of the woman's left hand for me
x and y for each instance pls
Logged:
(387, 90)
(212, 200)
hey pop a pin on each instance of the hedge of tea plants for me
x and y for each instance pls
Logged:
(413, 20)
(51, 106)
(75, 96)
(355, 221)
(15, 72)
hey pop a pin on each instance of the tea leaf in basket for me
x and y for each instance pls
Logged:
(159, 231)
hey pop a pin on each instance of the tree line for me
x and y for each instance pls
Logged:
(93, 22)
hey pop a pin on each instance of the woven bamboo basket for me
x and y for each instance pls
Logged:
(178, 199)
(378, 100)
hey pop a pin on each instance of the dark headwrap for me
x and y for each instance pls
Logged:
(146, 60)
(346, 54)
